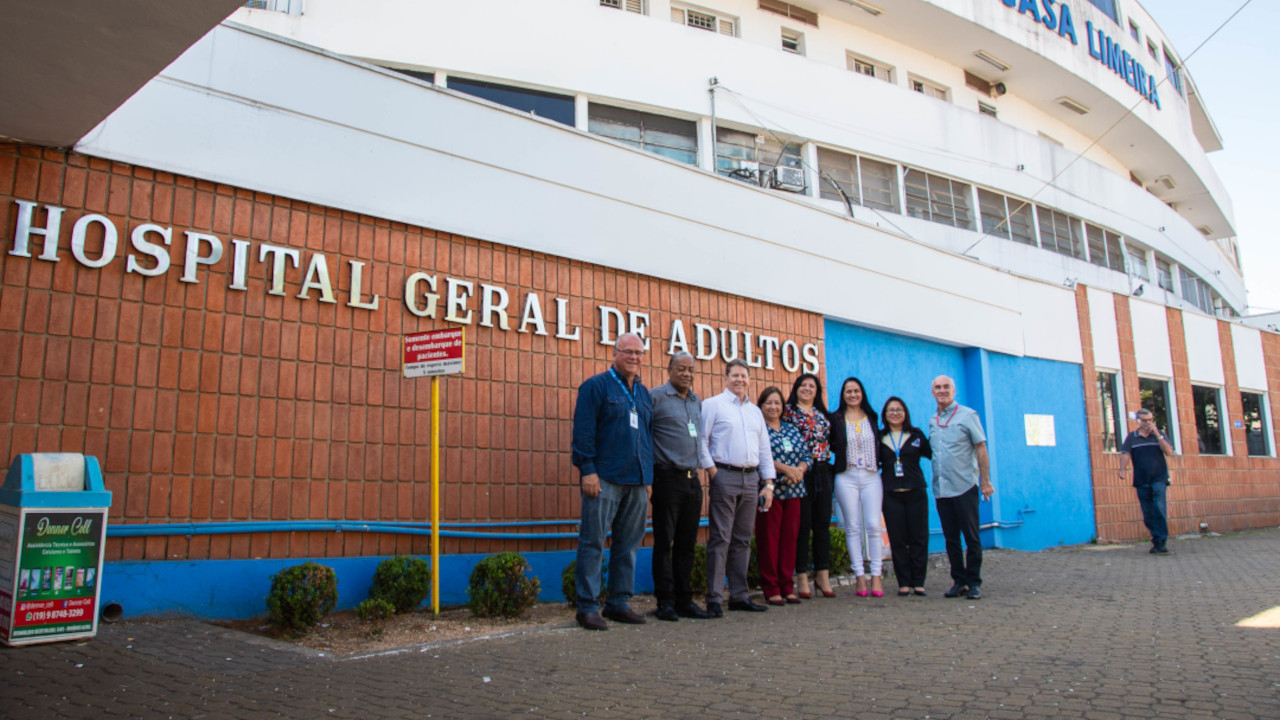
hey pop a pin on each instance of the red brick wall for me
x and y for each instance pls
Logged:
(1233, 492)
(210, 404)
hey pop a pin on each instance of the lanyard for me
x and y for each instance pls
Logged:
(631, 395)
(897, 446)
(949, 417)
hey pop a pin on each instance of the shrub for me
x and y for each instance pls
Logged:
(500, 587)
(569, 582)
(753, 566)
(698, 578)
(375, 609)
(839, 553)
(300, 596)
(403, 582)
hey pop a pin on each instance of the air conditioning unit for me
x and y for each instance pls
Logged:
(787, 178)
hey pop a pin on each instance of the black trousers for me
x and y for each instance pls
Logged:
(906, 516)
(815, 517)
(677, 508)
(959, 516)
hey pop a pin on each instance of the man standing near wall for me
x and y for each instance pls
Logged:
(613, 449)
(961, 470)
(742, 474)
(1145, 449)
(678, 455)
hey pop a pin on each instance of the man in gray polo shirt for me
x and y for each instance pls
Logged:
(961, 470)
(678, 456)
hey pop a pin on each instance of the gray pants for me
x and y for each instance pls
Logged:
(732, 522)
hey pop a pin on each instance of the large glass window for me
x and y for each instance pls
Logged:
(938, 199)
(1257, 430)
(1196, 291)
(668, 137)
(751, 158)
(1209, 421)
(543, 104)
(1164, 273)
(1059, 232)
(1006, 217)
(866, 182)
(1104, 248)
(1172, 68)
(1155, 397)
(1138, 262)
(1109, 398)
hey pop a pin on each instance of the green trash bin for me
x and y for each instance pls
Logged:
(53, 521)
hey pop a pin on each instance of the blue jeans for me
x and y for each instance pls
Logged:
(622, 509)
(1155, 511)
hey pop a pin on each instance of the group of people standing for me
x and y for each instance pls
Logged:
(773, 468)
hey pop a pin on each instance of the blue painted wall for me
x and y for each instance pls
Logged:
(1043, 494)
(236, 589)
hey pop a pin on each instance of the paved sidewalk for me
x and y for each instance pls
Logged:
(1096, 633)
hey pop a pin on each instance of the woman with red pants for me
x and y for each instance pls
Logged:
(778, 526)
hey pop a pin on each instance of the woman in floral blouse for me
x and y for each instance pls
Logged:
(808, 412)
(778, 526)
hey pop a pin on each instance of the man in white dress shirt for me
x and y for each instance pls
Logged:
(742, 475)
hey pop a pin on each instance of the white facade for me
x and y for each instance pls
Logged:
(647, 62)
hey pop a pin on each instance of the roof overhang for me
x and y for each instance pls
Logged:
(65, 66)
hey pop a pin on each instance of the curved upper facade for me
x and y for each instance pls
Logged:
(1067, 151)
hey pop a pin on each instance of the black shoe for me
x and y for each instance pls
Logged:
(625, 615)
(1154, 549)
(975, 593)
(591, 621)
(746, 606)
(714, 610)
(1161, 550)
(666, 612)
(691, 610)
(956, 591)
(921, 592)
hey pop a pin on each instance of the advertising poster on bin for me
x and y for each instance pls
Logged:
(58, 573)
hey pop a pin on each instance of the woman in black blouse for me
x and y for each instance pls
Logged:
(906, 504)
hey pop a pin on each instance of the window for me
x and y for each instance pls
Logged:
(924, 87)
(708, 20)
(868, 67)
(1209, 420)
(1155, 397)
(1109, 397)
(1256, 429)
(1164, 273)
(1133, 31)
(668, 137)
(543, 104)
(1173, 69)
(869, 183)
(1006, 217)
(792, 41)
(1137, 262)
(938, 199)
(1197, 292)
(1104, 248)
(747, 157)
(1059, 232)
(1151, 48)
(987, 109)
(635, 6)
(1108, 8)
(798, 14)
(418, 74)
(290, 7)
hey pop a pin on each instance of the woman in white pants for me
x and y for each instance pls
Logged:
(855, 438)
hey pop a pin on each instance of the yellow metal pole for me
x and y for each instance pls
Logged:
(435, 495)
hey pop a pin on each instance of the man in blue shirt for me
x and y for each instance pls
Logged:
(1146, 448)
(961, 471)
(613, 450)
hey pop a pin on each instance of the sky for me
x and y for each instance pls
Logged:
(1235, 73)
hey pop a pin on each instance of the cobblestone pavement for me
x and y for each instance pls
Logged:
(1096, 633)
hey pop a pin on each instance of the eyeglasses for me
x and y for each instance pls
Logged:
(633, 353)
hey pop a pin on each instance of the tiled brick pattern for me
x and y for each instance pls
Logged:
(1227, 492)
(207, 404)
